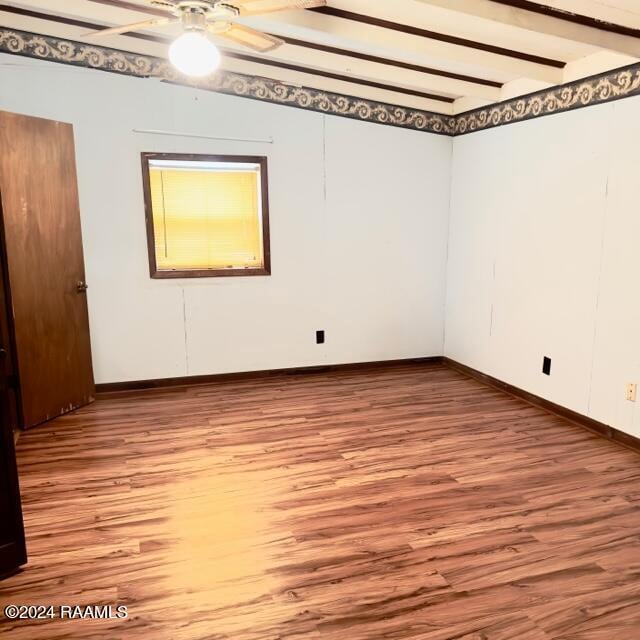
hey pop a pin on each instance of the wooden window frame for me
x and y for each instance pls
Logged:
(156, 273)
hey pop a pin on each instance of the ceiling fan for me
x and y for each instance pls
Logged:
(193, 53)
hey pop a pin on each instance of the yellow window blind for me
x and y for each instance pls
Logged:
(206, 218)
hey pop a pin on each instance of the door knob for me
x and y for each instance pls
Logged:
(82, 286)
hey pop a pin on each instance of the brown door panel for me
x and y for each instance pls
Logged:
(43, 242)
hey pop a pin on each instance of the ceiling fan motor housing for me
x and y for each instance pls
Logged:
(194, 20)
(198, 15)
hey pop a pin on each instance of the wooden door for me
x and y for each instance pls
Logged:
(43, 244)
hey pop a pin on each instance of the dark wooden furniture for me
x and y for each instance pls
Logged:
(12, 544)
(47, 345)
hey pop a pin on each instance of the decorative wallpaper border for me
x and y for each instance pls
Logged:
(80, 54)
(605, 87)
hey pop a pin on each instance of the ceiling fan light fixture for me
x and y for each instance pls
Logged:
(194, 54)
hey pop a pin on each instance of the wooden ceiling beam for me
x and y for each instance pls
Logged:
(307, 55)
(440, 37)
(592, 13)
(132, 6)
(359, 30)
(520, 14)
(350, 53)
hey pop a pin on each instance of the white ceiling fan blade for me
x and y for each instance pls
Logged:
(251, 38)
(134, 26)
(253, 7)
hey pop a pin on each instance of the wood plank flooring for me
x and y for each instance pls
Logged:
(407, 502)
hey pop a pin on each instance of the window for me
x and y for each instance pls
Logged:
(206, 215)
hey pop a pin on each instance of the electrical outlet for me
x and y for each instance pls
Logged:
(320, 337)
(632, 391)
(546, 366)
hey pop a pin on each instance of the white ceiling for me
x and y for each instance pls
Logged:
(536, 50)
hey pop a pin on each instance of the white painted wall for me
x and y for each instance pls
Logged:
(544, 258)
(543, 252)
(359, 217)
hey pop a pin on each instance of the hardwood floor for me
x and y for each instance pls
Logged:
(409, 502)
